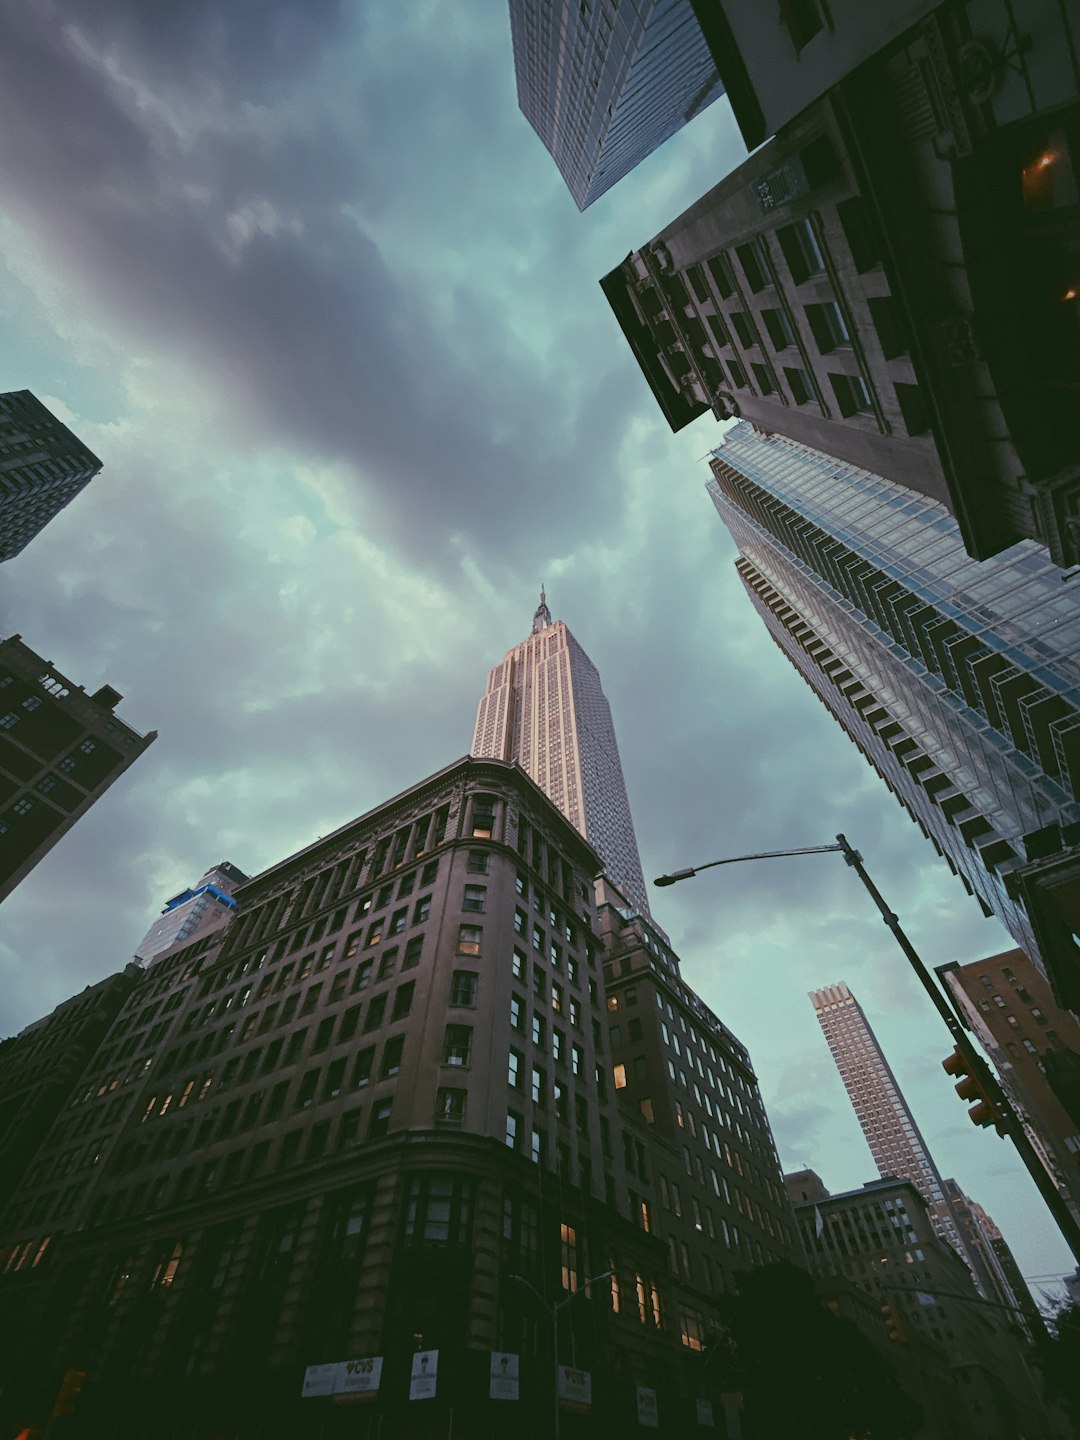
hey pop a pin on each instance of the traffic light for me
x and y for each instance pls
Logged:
(984, 1111)
(70, 1390)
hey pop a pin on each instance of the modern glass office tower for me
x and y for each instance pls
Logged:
(958, 680)
(604, 85)
(545, 708)
(192, 912)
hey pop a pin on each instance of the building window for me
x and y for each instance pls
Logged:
(403, 997)
(779, 327)
(392, 1051)
(478, 862)
(475, 896)
(518, 965)
(741, 323)
(755, 264)
(803, 20)
(737, 373)
(517, 1013)
(469, 938)
(463, 988)
(539, 1086)
(457, 1041)
(829, 326)
(719, 267)
(422, 909)
(570, 1269)
(450, 1106)
(852, 396)
(438, 1210)
(413, 951)
(513, 1130)
(515, 1069)
(801, 250)
(398, 921)
(483, 817)
(798, 383)
(620, 1077)
(763, 378)
(380, 1119)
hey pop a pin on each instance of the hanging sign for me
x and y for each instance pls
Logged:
(504, 1375)
(318, 1380)
(575, 1388)
(359, 1378)
(647, 1414)
(425, 1369)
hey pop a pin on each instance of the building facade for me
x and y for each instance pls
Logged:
(880, 1238)
(895, 1141)
(60, 750)
(544, 707)
(1008, 1006)
(603, 84)
(841, 287)
(40, 1065)
(374, 1113)
(43, 466)
(958, 681)
(191, 912)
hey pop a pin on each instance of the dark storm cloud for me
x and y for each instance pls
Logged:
(224, 242)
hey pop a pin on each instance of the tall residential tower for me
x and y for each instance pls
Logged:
(898, 1148)
(544, 708)
(959, 681)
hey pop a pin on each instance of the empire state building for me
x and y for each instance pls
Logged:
(544, 708)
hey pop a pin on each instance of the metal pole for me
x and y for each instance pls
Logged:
(976, 1065)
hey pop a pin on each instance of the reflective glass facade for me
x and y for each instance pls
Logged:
(603, 84)
(959, 680)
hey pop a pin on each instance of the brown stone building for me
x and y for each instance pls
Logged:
(894, 279)
(60, 750)
(377, 1115)
(1007, 1003)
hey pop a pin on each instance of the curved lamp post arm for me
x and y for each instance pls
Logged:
(975, 1063)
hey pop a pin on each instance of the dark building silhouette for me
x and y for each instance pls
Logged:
(894, 278)
(40, 1065)
(880, 1238)
(43, 466)
(60, 750)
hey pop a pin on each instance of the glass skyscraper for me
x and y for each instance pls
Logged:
(604, 85)
(544, 707)
(958, 680)
(43, 466)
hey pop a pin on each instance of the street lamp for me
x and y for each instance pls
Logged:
(553, 1314)
(976, 1065)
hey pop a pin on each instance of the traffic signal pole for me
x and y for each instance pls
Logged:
(975, 1065)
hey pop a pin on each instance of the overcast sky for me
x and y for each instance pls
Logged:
(302, 276)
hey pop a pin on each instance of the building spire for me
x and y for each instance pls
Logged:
(541, 615)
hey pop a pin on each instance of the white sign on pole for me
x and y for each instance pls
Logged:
(425, 1370)
(705, 1414)
(359, 1377)
(319, 1380)
(646, 1408)
(504, 1375)
(575, 1388)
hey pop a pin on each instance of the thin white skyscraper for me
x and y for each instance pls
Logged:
(899, 1150)
(545, 708)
